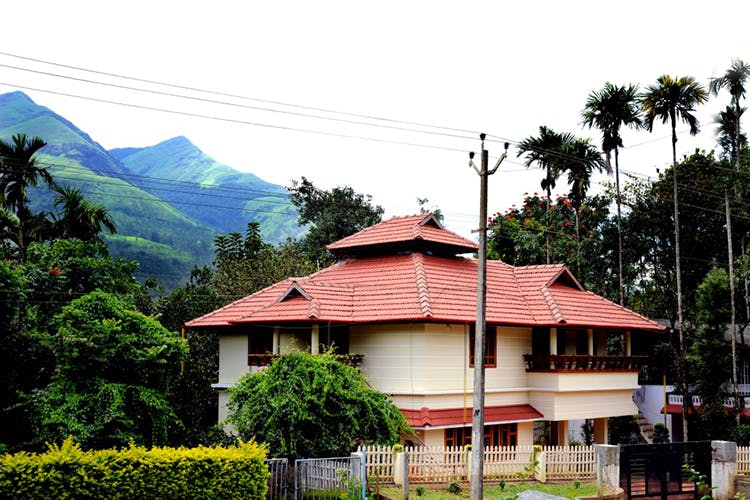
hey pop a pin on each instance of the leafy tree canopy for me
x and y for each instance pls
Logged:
(312, 406)
(113, 369)
(331, 215)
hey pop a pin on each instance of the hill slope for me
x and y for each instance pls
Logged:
(160, 224)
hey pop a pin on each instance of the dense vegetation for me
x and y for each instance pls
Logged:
(91, 352)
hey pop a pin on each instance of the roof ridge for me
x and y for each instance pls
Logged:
(423, 290)
(554, 309)
(520, 292)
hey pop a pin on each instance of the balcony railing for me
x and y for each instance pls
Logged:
(266, 359)
(676, 399)
(566, 363)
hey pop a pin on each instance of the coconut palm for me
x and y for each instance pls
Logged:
(668, 100)
(79, 217)
(18, 171)
(609, 110)
(734, 81)
(580, 161)
(547, 151)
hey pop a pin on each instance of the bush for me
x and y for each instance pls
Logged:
(661, 433)
(69, 472)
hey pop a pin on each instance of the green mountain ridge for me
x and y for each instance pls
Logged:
(163, 198)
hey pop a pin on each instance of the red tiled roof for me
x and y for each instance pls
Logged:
(451, 417)
(676, 409)
(423, 228)
(416, 286)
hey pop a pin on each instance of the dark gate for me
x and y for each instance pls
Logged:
(654, 471)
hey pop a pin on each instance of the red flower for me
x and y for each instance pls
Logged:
(54, 271)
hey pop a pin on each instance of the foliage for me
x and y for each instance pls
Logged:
(330, 215)
(194, 400)
(742, 435)
(661, 433)
(709, 358)
(312, 406)
(702, 486)
(246, 265)
(624, 430)
(518, 236)
(112, 373)
(66, 471)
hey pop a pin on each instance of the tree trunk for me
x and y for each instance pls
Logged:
(619, 229)
(681, 374)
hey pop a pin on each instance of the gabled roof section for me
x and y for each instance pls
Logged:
(422, 233)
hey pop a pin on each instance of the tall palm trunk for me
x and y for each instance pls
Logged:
(681, 374)
(549, 197)
(730, 258)
(619, 228)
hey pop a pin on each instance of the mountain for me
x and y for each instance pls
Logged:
(169, 201)
(197, 182)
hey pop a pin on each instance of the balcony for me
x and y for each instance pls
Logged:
(354, 360)
(578, 363)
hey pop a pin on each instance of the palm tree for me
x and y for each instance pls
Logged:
(580, 162)
(734, 81)
(79, 217)
(671, 99)
(608, 110)
(547, 151)
(18, 171)
(726, 132)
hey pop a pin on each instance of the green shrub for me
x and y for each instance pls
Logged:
(661, 433)
(454, 488)
(66, 472)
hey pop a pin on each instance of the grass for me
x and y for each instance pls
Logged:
(493, 490)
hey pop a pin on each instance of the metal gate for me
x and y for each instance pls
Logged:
(324, 478)
(654, 471)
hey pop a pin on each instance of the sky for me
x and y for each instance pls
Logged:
(387, 97)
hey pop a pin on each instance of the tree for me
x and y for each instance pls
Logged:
(710, 357)
(608, 110)
(112, 374)
(671, 99)
(18, 171)
(330, 215)
(734, 81)
(548, 151)
(246, 265)
(79, 217)
(194, 400)
(726, 133)
(312, 406)
(517, 236)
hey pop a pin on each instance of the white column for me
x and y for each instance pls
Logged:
(590, 339)
(276, 340)
(723, 469)
(628, 350)
(315, 339)
(553, 340)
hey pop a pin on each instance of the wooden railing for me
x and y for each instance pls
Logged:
(266, 359)
(582, 363)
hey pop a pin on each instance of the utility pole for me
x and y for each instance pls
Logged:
(480, 330)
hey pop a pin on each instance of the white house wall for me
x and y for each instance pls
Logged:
(232, 357)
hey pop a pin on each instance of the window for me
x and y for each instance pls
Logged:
(490, 347)
(260, 348)
(494, 435)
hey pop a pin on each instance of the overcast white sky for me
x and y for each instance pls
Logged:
(497, 67)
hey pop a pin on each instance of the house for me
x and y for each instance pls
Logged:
(403, 299)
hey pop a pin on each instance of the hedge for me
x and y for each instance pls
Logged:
(66, 471)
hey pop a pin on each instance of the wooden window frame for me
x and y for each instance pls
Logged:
(494, 435)
(490, 347)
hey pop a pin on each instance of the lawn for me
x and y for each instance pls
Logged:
(492, 490)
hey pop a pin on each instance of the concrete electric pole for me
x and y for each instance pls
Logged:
(480, 330)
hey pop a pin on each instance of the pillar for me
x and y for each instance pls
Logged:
(723, 469)
(590, 341)
(601, 430)
(628, 346)
(276, 340)
(315, 339)
(553, 341)
(607, 458)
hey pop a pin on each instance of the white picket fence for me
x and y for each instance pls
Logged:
(743, 459)
(438, 464)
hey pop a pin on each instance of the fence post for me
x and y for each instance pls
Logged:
(607, 458)
(468, 461)
(723, 469)
(539, 458)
